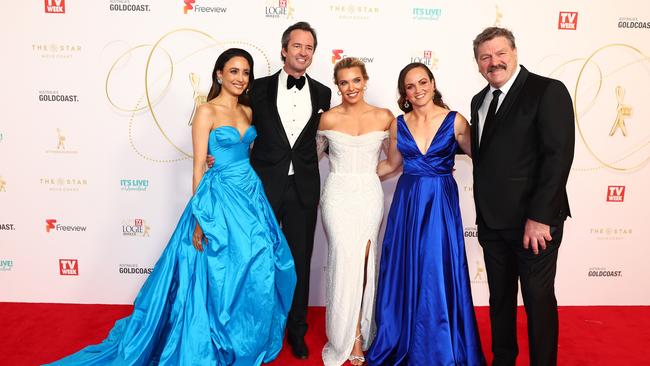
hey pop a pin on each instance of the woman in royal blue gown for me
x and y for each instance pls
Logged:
(424, 311)
(222, 288)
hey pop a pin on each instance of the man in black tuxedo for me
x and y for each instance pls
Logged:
(522, 149)
(286, 110)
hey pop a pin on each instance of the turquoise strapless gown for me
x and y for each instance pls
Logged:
(226, 305)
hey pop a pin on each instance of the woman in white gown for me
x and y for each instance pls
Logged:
(352, 204)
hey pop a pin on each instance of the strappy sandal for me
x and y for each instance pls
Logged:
(354, 358)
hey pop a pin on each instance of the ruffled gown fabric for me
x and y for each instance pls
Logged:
(226, 305)
(352, 207)
(424, 309)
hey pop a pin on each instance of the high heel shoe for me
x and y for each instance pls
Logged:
(354, 358)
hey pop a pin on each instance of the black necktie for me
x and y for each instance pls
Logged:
(492, 110)
(298, 83)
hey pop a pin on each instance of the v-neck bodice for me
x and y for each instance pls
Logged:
(439, 156)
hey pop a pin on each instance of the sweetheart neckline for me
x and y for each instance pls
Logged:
(241, 135)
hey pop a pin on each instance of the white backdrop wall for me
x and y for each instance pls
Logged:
(96, 98)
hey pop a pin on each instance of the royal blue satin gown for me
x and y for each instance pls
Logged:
(226, 305)
(424, 311)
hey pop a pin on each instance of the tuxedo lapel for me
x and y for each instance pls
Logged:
(272, 97)
(505, 107)
(476, 104)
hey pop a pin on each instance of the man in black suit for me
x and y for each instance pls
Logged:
(286, 108)
(522, 149)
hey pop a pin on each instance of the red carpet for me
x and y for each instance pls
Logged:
(32, 334)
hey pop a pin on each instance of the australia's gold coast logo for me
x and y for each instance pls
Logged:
(177, 72)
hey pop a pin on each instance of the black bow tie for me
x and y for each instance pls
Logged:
(298, 83)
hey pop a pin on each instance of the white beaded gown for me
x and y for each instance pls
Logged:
(352, 204)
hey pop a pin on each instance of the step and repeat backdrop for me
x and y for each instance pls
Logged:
(97, 96)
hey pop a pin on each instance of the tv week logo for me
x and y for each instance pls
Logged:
(69, 267)
(568, 20)
(615, 193)
(55, 6)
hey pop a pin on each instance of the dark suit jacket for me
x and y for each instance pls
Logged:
(523, 162)
(272, 152)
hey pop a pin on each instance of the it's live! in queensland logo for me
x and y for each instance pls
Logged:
(55, 6)
(69, 267)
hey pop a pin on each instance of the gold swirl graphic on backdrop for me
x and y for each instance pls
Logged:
(615, 163)
(147, 101)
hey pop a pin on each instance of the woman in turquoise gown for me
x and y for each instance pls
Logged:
(222, 288)
(424, 311)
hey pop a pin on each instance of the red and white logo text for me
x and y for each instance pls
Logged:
(568, 20)
(69, 267)
(55, 6)
(615, 193)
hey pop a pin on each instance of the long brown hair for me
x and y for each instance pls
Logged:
(224, 57)
(401, 88)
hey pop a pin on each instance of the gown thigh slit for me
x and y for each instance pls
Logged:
(352, 205)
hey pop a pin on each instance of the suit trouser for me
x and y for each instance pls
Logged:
(298, 225)
(505, 261)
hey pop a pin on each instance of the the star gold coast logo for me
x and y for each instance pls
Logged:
(62, 184)
(610, 233)
(176, 69)
(352, 11)
(56, 50)
(279, 9)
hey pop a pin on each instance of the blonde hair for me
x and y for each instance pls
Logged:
(348, 63)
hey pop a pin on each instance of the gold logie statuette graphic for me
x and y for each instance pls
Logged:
(622, 111)
(61, 144)
(498, 16)
(198, 98)
(480, 270)
(3, 184)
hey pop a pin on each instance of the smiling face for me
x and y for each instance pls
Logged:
(351, 84)
(299, 52)
(419, 87)
(497, 61)
(235, 75)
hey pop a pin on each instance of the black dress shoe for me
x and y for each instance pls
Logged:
(299, 348)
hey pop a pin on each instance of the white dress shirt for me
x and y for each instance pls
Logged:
(294, 108)
(482, 111)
